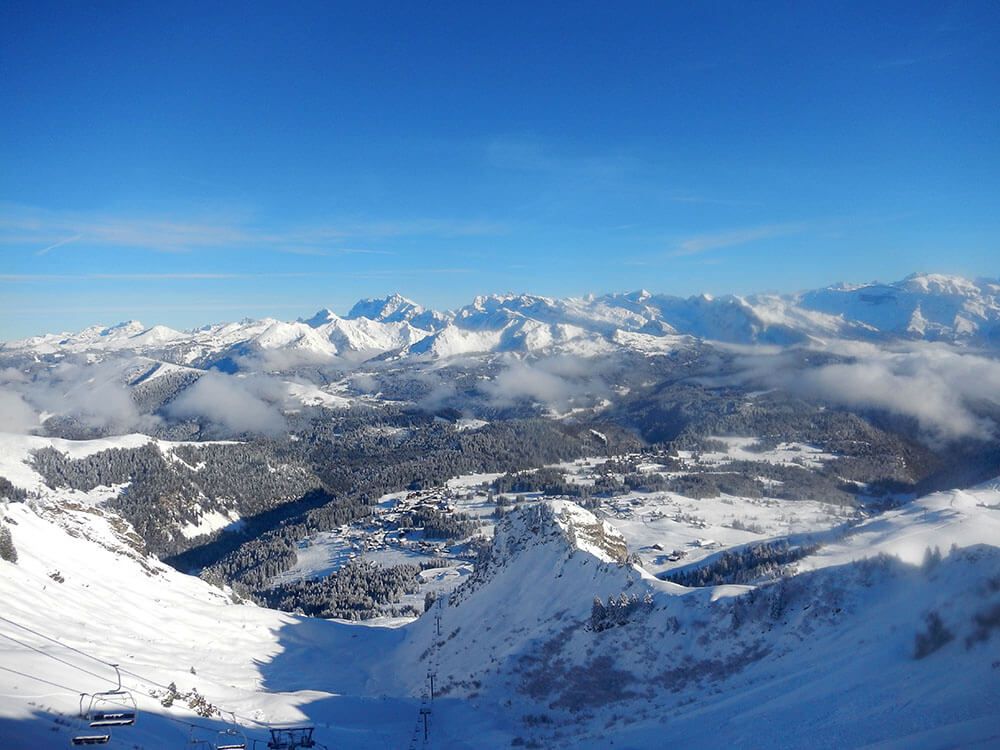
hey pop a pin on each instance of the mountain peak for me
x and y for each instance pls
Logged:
(951, 308)
(126, 327)
(939, 283)
(392, 309)
(322, 317)
(639, 295)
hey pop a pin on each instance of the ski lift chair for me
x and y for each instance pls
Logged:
(291, 738)
(84, 738)
(231, 738)
(90, 739)
(111, 708)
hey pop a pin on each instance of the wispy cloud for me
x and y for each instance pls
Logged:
(700, 243)
(909, 60)
(678, 196)
(60, 243)
(129, 310)
(18, 278)
(28, 277)
(527, 155)
(26, 226)
(422, 227)
(318, 252)
(644, 175)
(393, 273)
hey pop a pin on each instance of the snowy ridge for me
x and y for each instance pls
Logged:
(588, 533)
(921, 307)
(710, 667)
(553, 529)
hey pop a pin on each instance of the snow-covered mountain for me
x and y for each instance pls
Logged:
(818, 601)
(920, 307)
(655, 664)
(398, 309)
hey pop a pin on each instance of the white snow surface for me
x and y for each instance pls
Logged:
(745, 449)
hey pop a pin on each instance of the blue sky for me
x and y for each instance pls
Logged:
(182, 164)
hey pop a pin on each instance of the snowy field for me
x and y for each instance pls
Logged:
(747, 449)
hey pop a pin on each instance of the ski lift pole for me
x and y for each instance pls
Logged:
(425, 712)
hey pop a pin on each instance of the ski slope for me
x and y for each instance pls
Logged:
(824, 658)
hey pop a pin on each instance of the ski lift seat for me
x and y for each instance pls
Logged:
(231, 738)
(110, 708)
(291, 738)
(92, 739)
(112, 718)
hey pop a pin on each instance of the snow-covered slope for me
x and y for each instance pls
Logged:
(80, 581)
(921, 306)
(363, 336)
(825, 658)
(394, 307)
(16, 452)
(127, 335)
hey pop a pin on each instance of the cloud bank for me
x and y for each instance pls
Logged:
(91, 395)
(235, 404)
(558, 382)
(945, 390)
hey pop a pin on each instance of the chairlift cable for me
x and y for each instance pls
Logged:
(51, 656)
(94, 674)
(105, 663)
(74, 691)
(81, 652)
(118, 669)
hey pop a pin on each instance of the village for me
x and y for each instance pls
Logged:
(442, 529)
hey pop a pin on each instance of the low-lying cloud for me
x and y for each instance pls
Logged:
(15, 413)
(235, 404)
(942, 388)
(95, 399)
(91, 395)
(558, 382)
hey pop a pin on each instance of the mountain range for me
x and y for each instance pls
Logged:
(921, 307)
